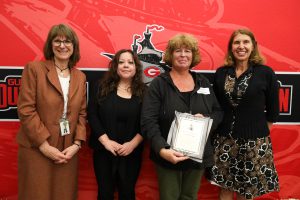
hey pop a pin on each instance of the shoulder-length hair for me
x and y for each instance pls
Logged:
(255, 56)
(66, 31)
(111, 78)
(179, 41)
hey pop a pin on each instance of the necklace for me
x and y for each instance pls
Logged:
(127, 89)
(123, 88)
(124, 92)
(61, 70)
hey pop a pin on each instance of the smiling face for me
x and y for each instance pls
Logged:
(62, 48)
(182, 58)
(241, 48)
(126, 66)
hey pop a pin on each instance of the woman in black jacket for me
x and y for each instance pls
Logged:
(248, 94)
(114, 118)
(188, 92)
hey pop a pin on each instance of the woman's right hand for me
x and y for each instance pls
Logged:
(109, 144)
(172, 156)
(52, 153)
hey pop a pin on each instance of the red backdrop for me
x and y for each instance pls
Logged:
(105, 26)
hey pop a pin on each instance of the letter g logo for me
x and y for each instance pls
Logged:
(152, 71)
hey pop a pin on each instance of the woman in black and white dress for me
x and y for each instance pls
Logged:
(247, 91)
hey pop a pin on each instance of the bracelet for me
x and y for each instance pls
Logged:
(77, 145)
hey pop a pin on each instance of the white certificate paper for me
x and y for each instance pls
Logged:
(188, 134)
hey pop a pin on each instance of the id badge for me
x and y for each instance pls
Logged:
(64, 127)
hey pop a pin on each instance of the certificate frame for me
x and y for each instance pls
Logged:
(188, 134)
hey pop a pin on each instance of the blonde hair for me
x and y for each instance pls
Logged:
(180, 40)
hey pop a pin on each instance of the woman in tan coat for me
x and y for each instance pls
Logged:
(52, 112)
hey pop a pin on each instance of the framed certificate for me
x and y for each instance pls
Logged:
(188, 134)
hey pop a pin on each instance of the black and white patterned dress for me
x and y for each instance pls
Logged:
(243, 165)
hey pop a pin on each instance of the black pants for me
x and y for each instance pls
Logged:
(116, 172)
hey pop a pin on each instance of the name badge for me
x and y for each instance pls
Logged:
(203, 90)
(64, 127)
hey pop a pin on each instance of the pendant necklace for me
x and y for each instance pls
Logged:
(61, 73)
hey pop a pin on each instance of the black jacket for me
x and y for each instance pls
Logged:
(158, 111)
(259, 104)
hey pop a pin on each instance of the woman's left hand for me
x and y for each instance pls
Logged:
(126, 148)
(71, 151)
(270, 125)
(198, 115)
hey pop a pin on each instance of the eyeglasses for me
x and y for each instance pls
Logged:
(57, 43)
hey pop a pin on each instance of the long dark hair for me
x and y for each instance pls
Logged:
(111, 78)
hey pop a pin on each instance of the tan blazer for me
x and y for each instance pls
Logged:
(41, 103)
